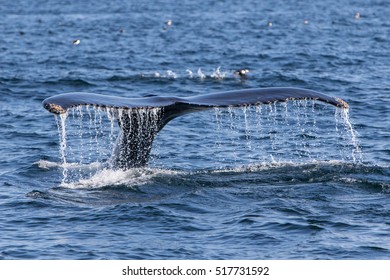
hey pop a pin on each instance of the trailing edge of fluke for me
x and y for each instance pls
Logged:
(58, 104)
(136, 137)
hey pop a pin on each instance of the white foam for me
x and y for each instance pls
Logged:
(45, 164)
(264, 166)
(171, 74)
(168, 74)
(109, 177)
(217, 74)
(201, 75)
(190, 74)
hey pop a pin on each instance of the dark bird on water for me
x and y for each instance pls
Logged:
(242, 73)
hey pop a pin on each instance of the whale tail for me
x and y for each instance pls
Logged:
(140, 119)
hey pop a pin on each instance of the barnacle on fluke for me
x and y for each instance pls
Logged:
(54, 108)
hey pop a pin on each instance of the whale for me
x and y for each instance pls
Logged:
(140, 119)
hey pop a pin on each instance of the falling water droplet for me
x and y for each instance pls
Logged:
(61, 124)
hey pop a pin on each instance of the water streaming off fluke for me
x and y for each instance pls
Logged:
(92, 138)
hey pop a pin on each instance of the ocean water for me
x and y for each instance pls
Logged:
(299, 180)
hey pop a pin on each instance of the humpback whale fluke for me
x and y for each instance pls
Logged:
(137, 129)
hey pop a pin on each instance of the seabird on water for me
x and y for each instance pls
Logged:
(242, 73)
(357, 15)
(168, 24)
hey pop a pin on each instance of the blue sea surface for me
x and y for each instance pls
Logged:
(295, 180)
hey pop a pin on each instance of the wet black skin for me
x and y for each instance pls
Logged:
(135, 141)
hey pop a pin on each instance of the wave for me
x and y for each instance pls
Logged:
(113, 178)
(275, 173)
(193, 74)
(76, 82)
(46, 164)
